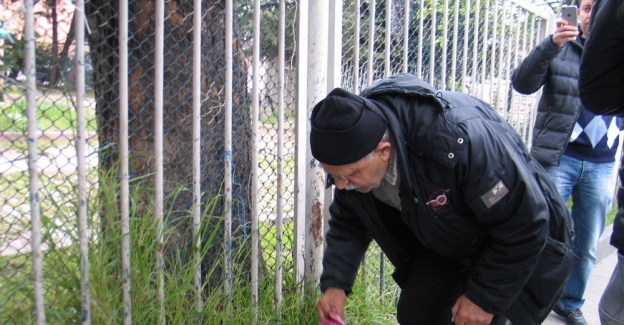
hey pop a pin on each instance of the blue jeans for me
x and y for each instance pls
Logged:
(591, 187)
(611, 307)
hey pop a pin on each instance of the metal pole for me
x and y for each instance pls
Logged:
(158, 150)
(197, 197)
(475, 51)
(388, 40)
(432, 43)
(33, 157)
(421, 19)
(356, 48)
(301, 147)
(371, 42)
(334, 79)
(124, 185)
(494, 39)
(465, 51)
(455, 36)
(316, 90)
(444, 45)
(485, 47)
(227, 231)
(255, 97)
(406, 24)
(279, 263)
(81, 158)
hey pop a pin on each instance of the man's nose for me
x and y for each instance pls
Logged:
(341, 183)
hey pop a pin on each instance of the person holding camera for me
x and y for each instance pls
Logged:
(576, 147)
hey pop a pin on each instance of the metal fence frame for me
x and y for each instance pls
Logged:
(320, 66)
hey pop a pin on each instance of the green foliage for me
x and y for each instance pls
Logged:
(13, 56)
(269, 26)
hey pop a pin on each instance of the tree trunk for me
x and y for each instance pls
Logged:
(178, 139)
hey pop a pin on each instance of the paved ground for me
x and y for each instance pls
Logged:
(598, 281)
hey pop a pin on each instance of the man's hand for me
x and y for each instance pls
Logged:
(330, 304)
(465, 312)
(564, 33)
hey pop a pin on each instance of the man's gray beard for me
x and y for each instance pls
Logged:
(351, 187)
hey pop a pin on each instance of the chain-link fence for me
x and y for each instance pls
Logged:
(190, 150)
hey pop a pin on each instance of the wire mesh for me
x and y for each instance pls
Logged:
(469, 46)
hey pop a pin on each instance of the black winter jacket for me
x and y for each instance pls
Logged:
(453, 143)
(557, 69)
(601, 80)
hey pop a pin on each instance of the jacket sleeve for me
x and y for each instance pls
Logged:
(346, 242)
(503, 194)
(601, 79)
(531, 74)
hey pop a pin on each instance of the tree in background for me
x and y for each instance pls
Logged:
(178, 138)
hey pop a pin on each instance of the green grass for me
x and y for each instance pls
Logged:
(610, 214)
(57, 116)
(62, 269)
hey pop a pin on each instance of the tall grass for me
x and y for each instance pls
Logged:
(367, 305)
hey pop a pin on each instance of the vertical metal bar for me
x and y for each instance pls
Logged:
(505, 74)
(432, 42)
(475, 51)
(455, 36)
(532, 39)
(301, 139)
(83, 231)
(520, 52)
(316, 90)
(524, 37)
(158, 150)
(334, 79)
(406, 25)
(493, 58)
(197, 197)
(334, 67)
(534, 111)
(124, 185)
(444, 45)
(279, 263)
(255, 98)
(486, 24)
(356, 47)
(371, 41)
(501, 98)
(421, 19)
(388, 41)
(511, 63)
(227, 231)
(387, 72)
(464, 69)
(33, 157)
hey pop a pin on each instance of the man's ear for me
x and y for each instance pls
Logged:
(384, 149)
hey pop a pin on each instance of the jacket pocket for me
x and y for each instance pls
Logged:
(545, 284)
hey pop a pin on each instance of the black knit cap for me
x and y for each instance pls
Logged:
(345, 128)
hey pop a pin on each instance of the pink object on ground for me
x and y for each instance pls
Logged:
(334, 319)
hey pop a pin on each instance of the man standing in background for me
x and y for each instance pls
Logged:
(576, 147)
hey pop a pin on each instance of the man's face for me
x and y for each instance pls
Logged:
(584, 14)
(364, 174)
